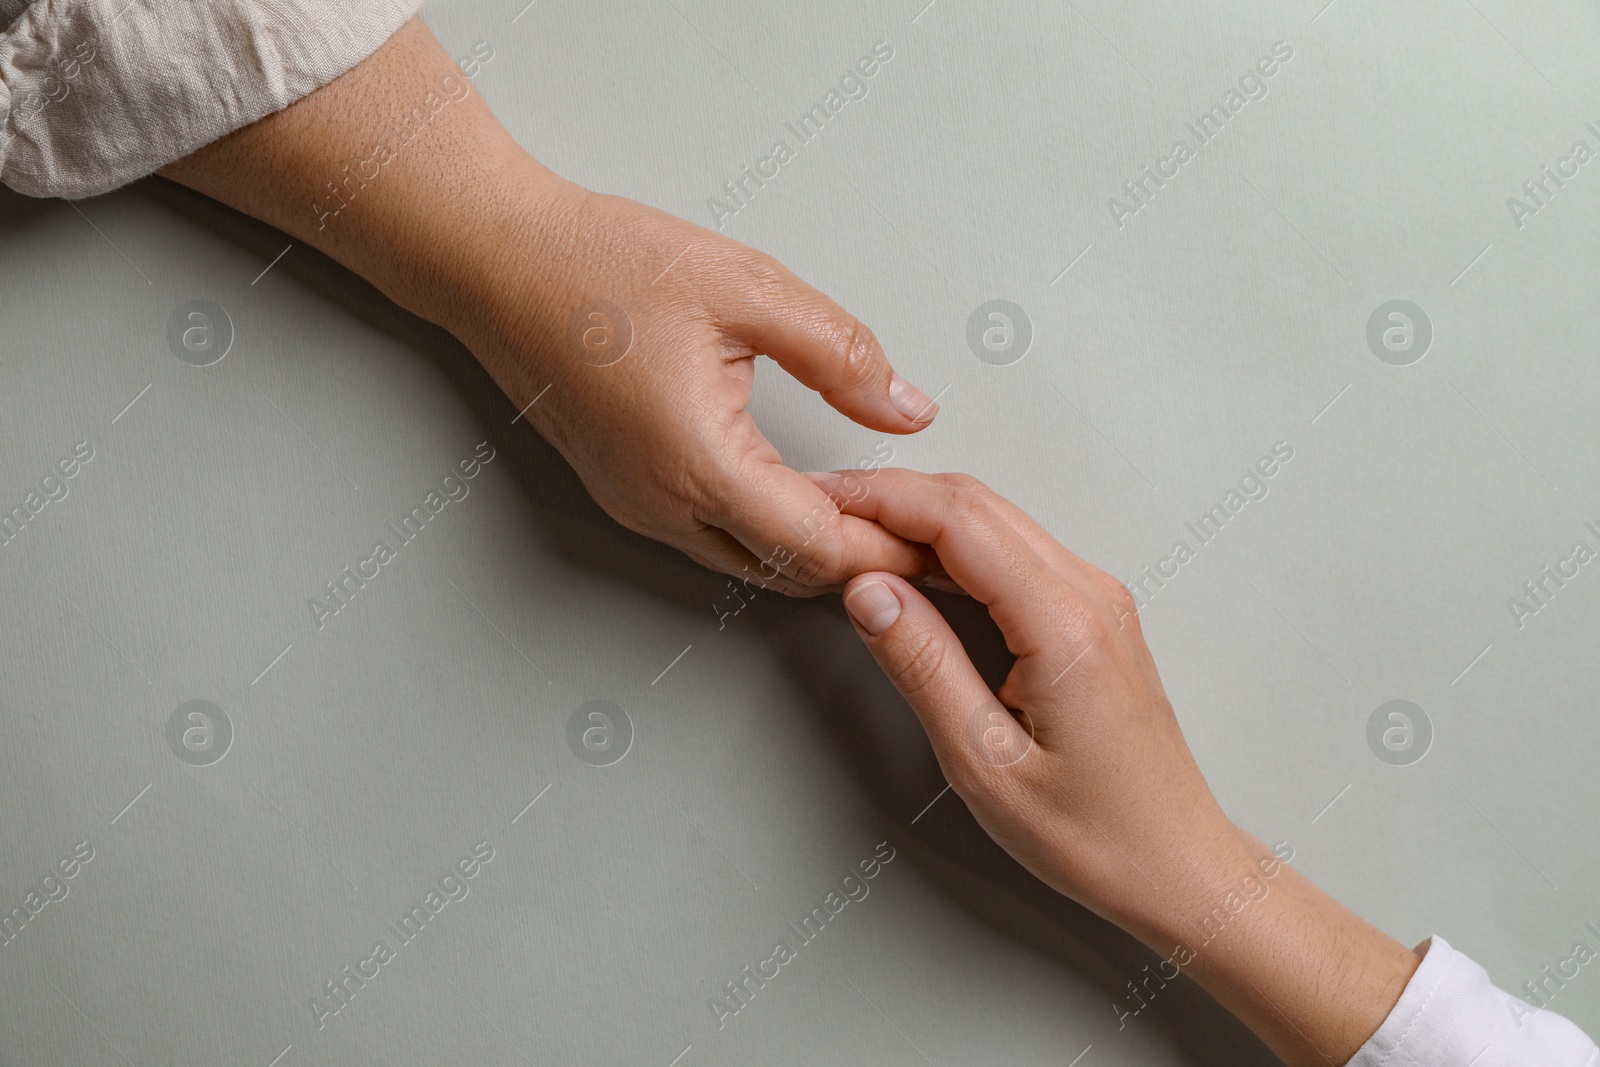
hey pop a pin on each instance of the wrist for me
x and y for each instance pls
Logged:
(476, 259)
(1209, 879)
(1258, 924)
(505, 293)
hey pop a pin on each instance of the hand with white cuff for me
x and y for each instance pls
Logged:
(1077, 767)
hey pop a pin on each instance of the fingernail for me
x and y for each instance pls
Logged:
(910, 401)
(820, 477)
(944, 584)
(874, 606)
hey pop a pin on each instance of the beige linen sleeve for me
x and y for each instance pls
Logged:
(97, 93)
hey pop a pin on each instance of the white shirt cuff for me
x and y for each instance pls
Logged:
(1451, 1015)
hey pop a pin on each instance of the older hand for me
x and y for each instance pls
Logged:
(632, 334)
(637, 334)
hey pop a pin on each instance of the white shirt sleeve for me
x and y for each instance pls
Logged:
(1451, 1015)
(97, 93)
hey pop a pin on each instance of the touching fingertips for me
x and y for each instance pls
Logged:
(910, 401)
(874, 606)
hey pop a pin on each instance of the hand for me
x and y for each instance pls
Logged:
(458, 224)
(1077, 766)
(1078, 769)
(651, 412)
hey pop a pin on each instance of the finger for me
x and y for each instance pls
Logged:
(922, 656)
(719, 551)
(980, 551)
(787, 523)
(822, 345)
(838, 485)
(1061, 559)
(846, 486)
(1066, 563)
(1088, 578)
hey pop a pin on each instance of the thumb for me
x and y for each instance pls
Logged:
(824, 347)
(922, 656)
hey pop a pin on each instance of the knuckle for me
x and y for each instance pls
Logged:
(809, 570)
(1083, 623)
(960, 480)
(919, 664)
(1123, 607)
(858, 355)
(766, 275)
(1117, 595)
(820, 562)
(969, 498)
(1066, 618)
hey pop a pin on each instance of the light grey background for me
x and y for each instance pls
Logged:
(1229, 314)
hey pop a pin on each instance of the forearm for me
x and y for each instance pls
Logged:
(1310, 977)
(399, 171)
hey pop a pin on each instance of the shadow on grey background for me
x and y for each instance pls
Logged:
(869, 726)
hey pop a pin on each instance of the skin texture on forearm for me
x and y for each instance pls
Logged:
(1309, 976)
(356, 170)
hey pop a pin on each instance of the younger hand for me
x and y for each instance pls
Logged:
(1078, 769)
(1076, 766)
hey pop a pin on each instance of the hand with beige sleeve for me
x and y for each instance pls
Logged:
(627, 336)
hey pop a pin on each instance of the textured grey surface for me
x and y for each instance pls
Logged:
(1229, 313)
